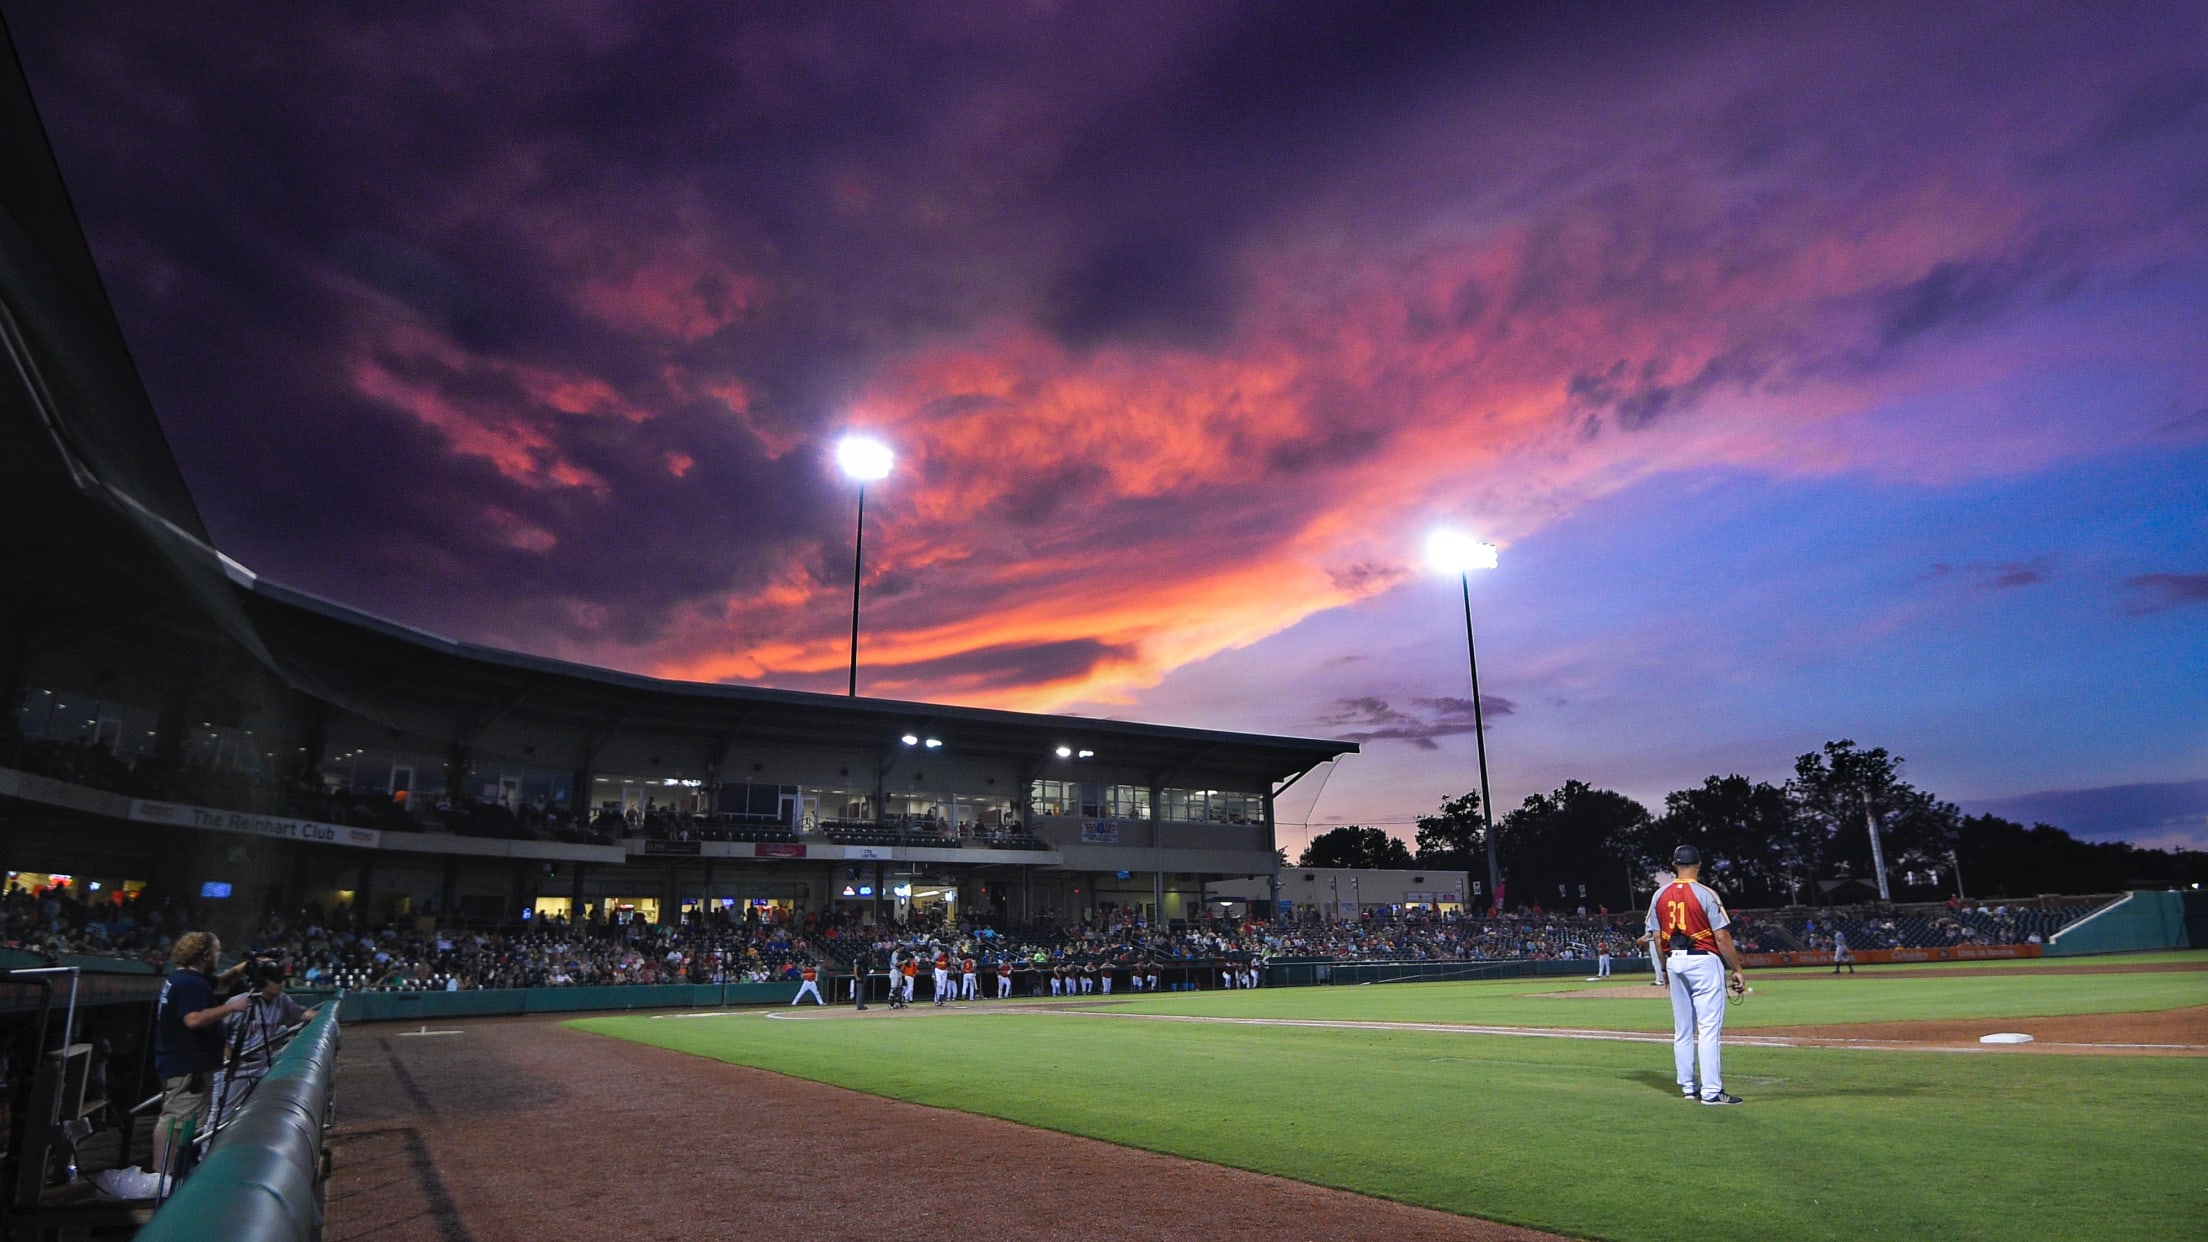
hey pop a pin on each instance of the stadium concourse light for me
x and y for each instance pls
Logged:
(864, 460)
(1454, 552)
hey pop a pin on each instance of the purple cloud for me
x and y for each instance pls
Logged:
(2162, 591)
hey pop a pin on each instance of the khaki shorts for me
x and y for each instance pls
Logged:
(183, 1104)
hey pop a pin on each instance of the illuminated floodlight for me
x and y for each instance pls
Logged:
(934, 742)
(1086, 754)
(1065, 752)
(910, 739)
(1454, 552)
(864, 458)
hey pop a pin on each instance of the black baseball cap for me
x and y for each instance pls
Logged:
(1686, 856)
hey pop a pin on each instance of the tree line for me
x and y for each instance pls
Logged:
(1805, 842)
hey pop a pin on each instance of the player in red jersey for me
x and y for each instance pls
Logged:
(1689, 920)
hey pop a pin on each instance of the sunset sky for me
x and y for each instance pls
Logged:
(1821, 370)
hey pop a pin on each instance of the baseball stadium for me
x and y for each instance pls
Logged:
(555, 948)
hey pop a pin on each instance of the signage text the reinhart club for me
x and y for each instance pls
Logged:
(254, 825)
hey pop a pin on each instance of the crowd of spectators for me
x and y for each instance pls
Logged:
(1957, 923)
(335, 948)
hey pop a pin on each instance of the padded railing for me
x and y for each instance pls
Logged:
(261, 1180)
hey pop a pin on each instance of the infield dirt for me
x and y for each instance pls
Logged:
(521, 1128)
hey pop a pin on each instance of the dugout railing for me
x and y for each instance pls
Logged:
(264, 1174)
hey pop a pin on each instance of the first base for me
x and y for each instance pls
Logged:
(2005, 1037)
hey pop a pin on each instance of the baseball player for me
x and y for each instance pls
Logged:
(968, 969)
(942, 976)
(1602, 960)
(1840, 955)
(1004, 978)
(909, 974)
(811, 984)
(1689, 919)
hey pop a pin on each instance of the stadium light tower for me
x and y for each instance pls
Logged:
(864, 460)
(1454, 552)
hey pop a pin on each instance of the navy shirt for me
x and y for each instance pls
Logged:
(177, 1049)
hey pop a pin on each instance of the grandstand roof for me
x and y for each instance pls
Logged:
(102, 531)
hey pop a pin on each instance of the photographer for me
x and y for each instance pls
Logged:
(251, 1035)
(187, 1050)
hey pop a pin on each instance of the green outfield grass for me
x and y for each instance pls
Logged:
(1566, 1134)
(1781, 998)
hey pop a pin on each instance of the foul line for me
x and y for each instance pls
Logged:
(1631, 1037)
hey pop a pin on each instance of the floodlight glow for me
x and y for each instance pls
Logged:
(1454, 552)
(1088, 754)
(910, 740)
(1065, 752)
(864, 458)
(934, 742)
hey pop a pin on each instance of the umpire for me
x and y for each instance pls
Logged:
(1690, 921)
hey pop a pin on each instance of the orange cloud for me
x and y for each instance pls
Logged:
(1168, 504)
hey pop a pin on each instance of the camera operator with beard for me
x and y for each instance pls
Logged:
(250, 1036)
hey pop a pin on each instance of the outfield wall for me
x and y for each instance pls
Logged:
(2135, 922)
(506, 1002)
(1867, 957)
(1304, 972)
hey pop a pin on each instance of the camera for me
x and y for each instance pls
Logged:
(262, 971)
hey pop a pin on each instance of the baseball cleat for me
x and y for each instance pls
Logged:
(1721, 1098)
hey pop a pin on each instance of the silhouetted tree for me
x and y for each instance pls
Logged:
(1451, 838)
(1839, 791)
(1755, 846)
(1578, 835)
(1352, 846)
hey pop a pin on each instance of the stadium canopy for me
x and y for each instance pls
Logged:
(105, 549)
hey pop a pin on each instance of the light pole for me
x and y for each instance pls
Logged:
(863, 460)
(1457, 553)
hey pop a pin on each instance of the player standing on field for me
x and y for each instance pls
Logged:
(1690, 921)
(812, 984)
(1840, 955)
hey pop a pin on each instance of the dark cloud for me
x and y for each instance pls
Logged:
(1639, 396)
(2161, 815)
(1151, 287)
(1365, 577)
(2174, 101)
(1993, 576)
(1956, 295)
(1035, 497)
(2157, 592)
(1002, 666)
(2193, 424)
(1376, 720)
(2015, 574)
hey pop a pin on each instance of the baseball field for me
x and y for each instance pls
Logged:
(1872, 1108)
